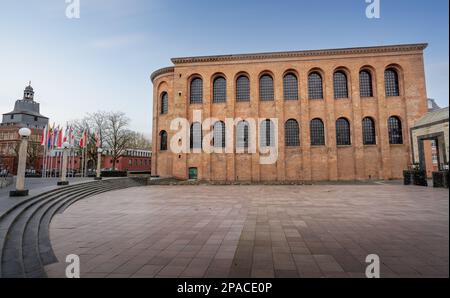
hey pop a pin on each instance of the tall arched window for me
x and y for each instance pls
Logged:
(395, 131)
(317, 132)
(340, 85)
(242, 89)
(291, 133)
(266, 92)
(267, 134)
(369, 134)
(242, 134)
(290, 87)
(343, 132)
(196, 136)
(315, 87)
(391, 82)
(163, 140)
(196, 91)
(219, 90)
(365, 84)
(219, 134)
(164, 103)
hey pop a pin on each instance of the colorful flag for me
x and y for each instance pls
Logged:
(83, 139)
(51, 136)
(98, 142)
(59, 140)
(44, 136)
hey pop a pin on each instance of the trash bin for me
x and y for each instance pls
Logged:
(407, 177)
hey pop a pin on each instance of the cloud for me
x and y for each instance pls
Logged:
(117, 41)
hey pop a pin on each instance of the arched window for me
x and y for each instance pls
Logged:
(242, 89)
(340, 85)
(266, 92)
(290, 85)
(196, 136)
(395, 131)
(163, 140)
(391, 82)
(317, 132)
(369, 134)
(343, 132)
(219, 134)
(315, 87)
(291, 133)
(164, 103)
(242, 134)
(196, 90)
(365, 84)
(267, 134)
(220, 90)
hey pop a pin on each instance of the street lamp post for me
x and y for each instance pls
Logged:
(99, 164)
(20, 191)
(64, 181)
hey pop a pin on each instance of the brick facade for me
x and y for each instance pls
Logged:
(306, 162)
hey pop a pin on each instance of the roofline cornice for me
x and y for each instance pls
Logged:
(296, 54)
(161, 71)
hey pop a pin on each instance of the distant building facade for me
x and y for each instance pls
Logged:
(343, 114)
(131, 161)
(430, 141)
(26, 113)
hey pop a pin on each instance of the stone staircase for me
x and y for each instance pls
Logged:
(25, 246)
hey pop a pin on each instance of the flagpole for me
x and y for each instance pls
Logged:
(43, 163)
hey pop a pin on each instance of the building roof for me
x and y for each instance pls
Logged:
(31, 113)
(323, 52)
(291, 54)
(433, 117)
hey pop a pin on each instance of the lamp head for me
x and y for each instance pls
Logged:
(24, 132)
(100, 150)
(66, 145)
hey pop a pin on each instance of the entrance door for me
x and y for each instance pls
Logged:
(193, 173)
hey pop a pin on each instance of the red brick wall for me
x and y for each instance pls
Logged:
(331, 162)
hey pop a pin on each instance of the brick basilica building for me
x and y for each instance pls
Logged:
(343, 114)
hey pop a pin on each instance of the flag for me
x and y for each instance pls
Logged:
(71, 137)
(44, 136)
(51, 136)
(66, 139)
(59, 141)
(55, 137)
(83, 139)
(98, 142)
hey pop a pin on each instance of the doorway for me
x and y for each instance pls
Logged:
(431, 152)
(193, 173)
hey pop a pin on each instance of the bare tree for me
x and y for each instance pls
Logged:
(34, 152)
(96, 125)
(117, 135)
(139, 141)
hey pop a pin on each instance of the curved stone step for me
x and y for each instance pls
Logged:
(30, 244)
(10, 216)
(26, 246)
(12, 258)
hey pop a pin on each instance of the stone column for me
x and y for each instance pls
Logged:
(22, 163)
(64, 165)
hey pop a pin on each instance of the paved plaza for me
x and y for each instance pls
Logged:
(256, 231)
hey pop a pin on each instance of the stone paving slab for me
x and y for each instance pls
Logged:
(256, 231)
